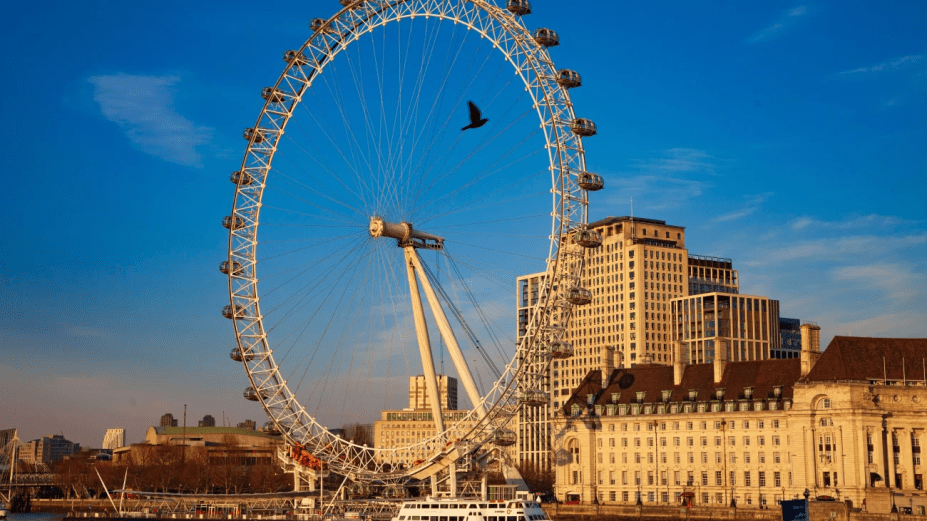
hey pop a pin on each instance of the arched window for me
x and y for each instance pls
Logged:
(573, 448)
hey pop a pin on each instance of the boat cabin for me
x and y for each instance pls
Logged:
(470, 510)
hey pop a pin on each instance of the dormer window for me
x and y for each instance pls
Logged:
(598, 410)
(640, 396)
(665, 395)
(616, 397)
(719, 393)
(590, 399)
(576, 409)
(748, 392)
(693, 393)
(777, 391)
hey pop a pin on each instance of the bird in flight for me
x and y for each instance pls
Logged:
(475, 117)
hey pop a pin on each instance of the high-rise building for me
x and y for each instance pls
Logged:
(207, 421)
(168, 420)
(247, 424)
(47, 449)
(640, 267)
(114, 438)
(9, 445)
(746, 326)
(447, 392)
(712, 275)
(790, 331)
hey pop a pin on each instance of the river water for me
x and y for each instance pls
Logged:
(35, 517)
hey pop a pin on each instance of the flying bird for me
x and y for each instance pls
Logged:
(475, 117)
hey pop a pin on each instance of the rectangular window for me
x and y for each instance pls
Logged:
(718, 458)
(733, 478)
(777, 479)
(704, 457)
(762, 457)
(761, 440)
(637, 477)
(624, 477)
(676, 478)
(624, 496)
(747, 458)
(747, 478)
(704, 478)
(676, 441)
(733, 457)
(732, 441)
(691, 457)
(704, 441)
(776, 458)
(762, 478)
(746, 441)
(718, 478)
(650, 477)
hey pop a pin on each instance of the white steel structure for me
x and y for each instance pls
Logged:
(358, 150)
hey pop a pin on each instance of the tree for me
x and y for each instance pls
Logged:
(538, 479)
(361, 434)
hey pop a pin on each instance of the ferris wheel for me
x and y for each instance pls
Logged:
(368, 195)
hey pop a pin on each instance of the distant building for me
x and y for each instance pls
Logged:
(790, 331)
(114, 438)
(47, 449)
(247, 424)
(746, 327)
(207, 421)
(447, 392)
(712, 275)
(168, 420)
(205, 436)
(9, 444)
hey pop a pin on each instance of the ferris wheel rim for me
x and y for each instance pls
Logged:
(568, 210)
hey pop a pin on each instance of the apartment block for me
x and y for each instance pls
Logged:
(790, 332)
(447, 392)
(114, 438)
(745, 327)
(47, 449)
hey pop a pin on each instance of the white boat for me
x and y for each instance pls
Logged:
(470, 510)
(3, 511)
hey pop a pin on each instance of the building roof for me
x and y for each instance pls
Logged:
(652, 379)
(190, 431)
(864, 358)
(614, 220)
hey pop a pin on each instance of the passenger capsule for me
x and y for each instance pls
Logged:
(504, 438)
(319, 25)
(233, 222)
(546, 37)
(231, 268)
(587, 238)
(518, 7)
(254, 134)
(560, 349)
(590, 181)
(240, 177)
(295, 57)
(533, 398)
(239, 311)
(568, 78)
(237, 355)
(579, 296)
(252, 395)
(583, 127)
(271, 429)
(273, 95)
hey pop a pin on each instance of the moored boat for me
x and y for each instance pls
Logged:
(470, 510)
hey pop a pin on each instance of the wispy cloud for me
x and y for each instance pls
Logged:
(889, 65)
(752, 204)
(143, 106)
(783, 23)
(821, 249)
(864, 221)
(896, 283)
(666, 180)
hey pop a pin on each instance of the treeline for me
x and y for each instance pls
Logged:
(160, 468)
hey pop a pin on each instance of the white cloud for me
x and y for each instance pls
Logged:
(896, 283)
(804, 222)
(143, 106)
(785, 22)
(664, 181)
(889, 65)
(822, 249)
(752, 205)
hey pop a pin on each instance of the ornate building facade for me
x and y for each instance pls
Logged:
(752, 432)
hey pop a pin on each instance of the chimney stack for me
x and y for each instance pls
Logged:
(608, 366)
(678, 362)
(810, 347)
(720, 360)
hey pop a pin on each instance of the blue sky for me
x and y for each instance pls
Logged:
(788, 136)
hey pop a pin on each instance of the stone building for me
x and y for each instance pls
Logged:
(47, 449)
(846, 423)
(114, 438)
